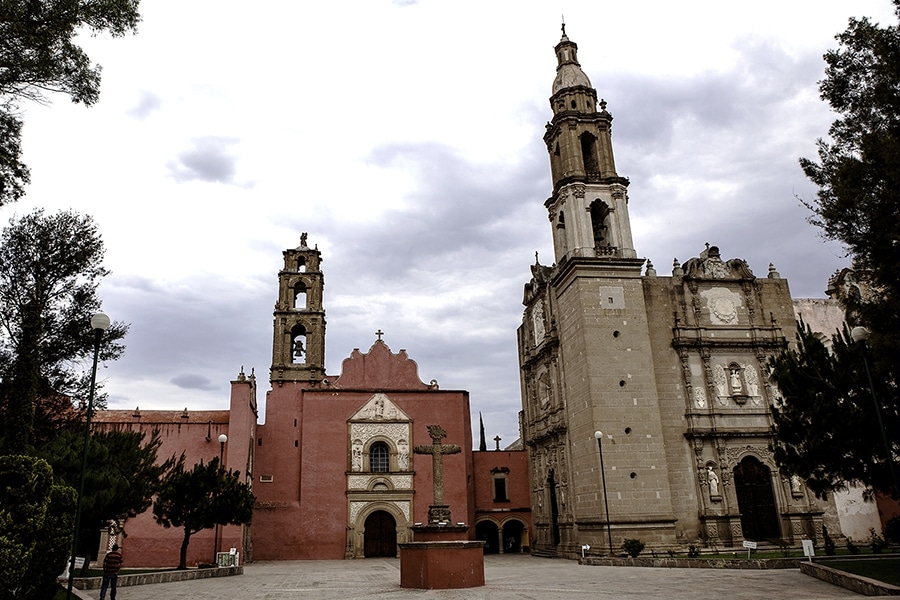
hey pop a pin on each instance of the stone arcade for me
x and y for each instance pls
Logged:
(671, 369)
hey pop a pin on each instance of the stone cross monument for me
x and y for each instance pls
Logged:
(438, 512)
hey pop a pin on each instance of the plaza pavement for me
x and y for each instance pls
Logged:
(507, 577)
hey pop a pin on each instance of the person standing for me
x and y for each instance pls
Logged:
(111, 565)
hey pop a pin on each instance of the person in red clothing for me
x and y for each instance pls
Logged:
(111, 565)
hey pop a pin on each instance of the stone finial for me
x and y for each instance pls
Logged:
(773, 274)
(676, 269)
(651, 272)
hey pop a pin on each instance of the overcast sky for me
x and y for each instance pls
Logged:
(405, 138)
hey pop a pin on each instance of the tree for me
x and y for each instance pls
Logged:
(858, 172)
(122, 478)
(201, 498)
(38, 55)
(826, 428)
(50, 269)
(36, 520)
(858, 180)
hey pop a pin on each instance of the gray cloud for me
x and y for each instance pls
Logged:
(147, 104)
(209, 160)
(192, 381)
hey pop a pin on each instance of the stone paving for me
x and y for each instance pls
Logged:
(507, 577)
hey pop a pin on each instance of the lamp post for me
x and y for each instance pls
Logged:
(599, 435)
(99, 323)
(861, 334)
(222, 439)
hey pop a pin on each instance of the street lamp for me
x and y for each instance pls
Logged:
(222, 439)
(861, 334)
(599, 435)
(99, 323)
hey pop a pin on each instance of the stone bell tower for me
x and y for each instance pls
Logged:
(589, 205)
(298, 349)
(585, 345)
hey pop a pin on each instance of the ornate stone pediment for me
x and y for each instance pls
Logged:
(379, 408)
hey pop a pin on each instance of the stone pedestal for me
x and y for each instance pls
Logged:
(442, 565)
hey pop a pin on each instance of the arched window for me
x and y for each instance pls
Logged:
(589, 153)
(379, 458)
(300, 295)
(600, 223)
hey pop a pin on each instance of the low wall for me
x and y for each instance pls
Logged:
(692, 563)
(93, 583)
(856, 583)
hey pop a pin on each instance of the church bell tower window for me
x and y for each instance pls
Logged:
(298, 344)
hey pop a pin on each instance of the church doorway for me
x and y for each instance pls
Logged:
(380, 535)
(756, 500)
(487, 532)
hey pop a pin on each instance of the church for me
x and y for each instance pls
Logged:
(343, 465)
(645, 397)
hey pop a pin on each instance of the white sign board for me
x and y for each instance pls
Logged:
(808, 549)
(749, 544)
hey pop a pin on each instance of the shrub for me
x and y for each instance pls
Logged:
(633, 547)
(693, 551)
(851, 547)
(892, 529)
(876, 542)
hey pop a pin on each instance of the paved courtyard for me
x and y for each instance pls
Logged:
(506, 577)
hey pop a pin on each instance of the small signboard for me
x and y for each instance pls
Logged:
(808, 549)
(225, 559)
(750, 546)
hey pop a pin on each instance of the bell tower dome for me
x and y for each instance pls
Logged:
(589, 205)
(298, 350)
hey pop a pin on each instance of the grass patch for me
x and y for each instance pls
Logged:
(886, 570)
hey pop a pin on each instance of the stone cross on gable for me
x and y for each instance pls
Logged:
(437, 450)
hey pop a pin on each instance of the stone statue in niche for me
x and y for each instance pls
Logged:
(356, 455)
(403, 455)
(713, 481)
(735, 375)
(795, 485)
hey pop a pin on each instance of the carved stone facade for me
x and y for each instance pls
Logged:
(670, 369)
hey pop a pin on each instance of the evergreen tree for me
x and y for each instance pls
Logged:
(828, 430)
(826, 426)
(122, 477)
(201, 498)
(858, 173)
(50, 269)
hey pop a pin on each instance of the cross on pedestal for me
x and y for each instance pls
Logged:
(379, 333)
(497, 440)
(438, 511)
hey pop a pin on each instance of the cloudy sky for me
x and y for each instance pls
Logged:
(405, 138)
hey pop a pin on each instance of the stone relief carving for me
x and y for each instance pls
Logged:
(366, 431)
(752, 380)
(403, 455)
(363, 482)
(761, 452)
(720, 382)
(722, 304)
(699, 397)
(379, 408)
(537, 318)
(357, 507)
(356, 455)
